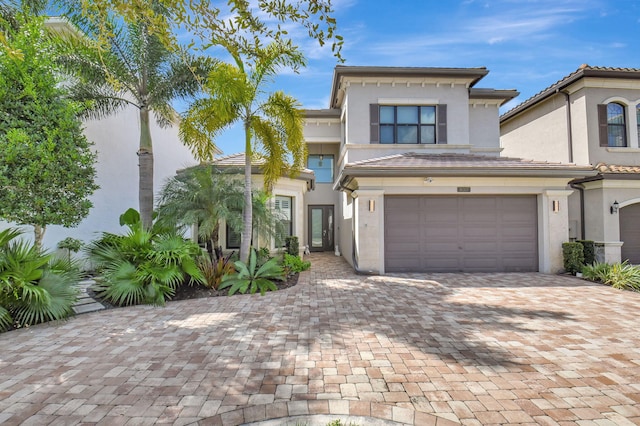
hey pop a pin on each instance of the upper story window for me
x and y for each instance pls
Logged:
(322, 165)
(617, 130)
(408, 124)
(613, 125)
(638, 122)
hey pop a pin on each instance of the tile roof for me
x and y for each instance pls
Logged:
(612, 168)
(237, 160)
(583, 71)
(412, 160)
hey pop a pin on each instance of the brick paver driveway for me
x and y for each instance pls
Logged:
(417, 349)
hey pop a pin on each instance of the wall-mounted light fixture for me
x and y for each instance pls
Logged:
(372, 205)
(614, 207)
(555, 206)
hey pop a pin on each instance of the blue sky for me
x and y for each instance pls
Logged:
(526, 44)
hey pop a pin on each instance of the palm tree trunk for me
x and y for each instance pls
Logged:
(38, 235)
(247, 210)
(145, 162)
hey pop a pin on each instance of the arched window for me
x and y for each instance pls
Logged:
(616, 126)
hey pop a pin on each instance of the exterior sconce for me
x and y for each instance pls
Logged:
(372, 205)
(555, 206)
(614, 207)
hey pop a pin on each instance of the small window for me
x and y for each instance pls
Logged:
(408, 124)
(322, 166)
(616, 126)
(284, 210)
(233, 238)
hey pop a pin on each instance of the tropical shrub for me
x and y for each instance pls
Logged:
(292, 245)
(251, 277)
(143, 265)
(214, 270)
(293, 264)
(263, 255)
(573, 257)
(589, 251)
(71, 245)
(618, 275)
(35, 287)
(596, 271)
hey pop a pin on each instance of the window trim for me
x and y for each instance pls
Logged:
(325, 157)
(604, 126)
(289, 232)
(440, 125)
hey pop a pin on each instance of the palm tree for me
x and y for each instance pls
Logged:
(272, 122)
(138, 70)
(203, 195)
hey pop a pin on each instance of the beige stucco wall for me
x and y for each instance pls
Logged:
(538, 134)
(552, 226)
(116, 140)
(484, 131)
(360, 96)
(628, 97)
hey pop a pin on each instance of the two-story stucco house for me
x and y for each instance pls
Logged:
(591, 116)
(409, 177)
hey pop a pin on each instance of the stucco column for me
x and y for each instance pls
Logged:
(553, 212)
(370, 236)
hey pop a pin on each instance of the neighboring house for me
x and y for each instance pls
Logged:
(408, 177)
(116, 141)
(592, 116)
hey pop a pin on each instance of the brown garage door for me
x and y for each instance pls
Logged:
(461, 233)
(630, 233)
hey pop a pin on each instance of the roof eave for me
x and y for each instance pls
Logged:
(474, 74)
(563, 84)
(462, 172)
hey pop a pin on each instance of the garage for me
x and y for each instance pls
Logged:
(630, 233)
(461, 233)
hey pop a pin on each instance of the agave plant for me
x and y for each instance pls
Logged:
(34, 286)
(143, 265)
(251, 277)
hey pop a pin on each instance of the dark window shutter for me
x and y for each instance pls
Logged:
(374, 114)
(603, 130)
(442, 123)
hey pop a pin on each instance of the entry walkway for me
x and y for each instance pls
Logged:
(418, 349)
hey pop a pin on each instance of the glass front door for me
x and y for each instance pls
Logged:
(321, 228)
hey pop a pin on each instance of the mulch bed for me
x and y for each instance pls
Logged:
(188, 292)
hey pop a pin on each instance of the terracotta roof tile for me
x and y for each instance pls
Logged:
(612, 168)
(237, 160)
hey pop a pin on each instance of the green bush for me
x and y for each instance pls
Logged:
(596, 271)
(214, 270)
(292, 245)
(573, 257)
(143, 266)
(588, 250)
(293, 264)
(252, 278)
(619, 275)
(35, 287)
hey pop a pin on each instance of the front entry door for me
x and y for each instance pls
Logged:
(321, 228)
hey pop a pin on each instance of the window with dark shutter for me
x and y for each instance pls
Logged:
(603, 131)
(374, 123)
(442, 123)
(410, 124)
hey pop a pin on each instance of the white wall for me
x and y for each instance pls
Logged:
(116, 140)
